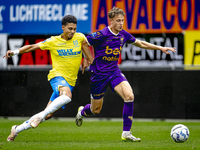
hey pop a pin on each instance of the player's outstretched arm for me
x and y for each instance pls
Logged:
(88, 59)
(86, 51)
(146, 45)
(24, 49)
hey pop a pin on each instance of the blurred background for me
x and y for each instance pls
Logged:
(165, 86)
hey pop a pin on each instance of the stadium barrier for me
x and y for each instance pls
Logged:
(158, 94)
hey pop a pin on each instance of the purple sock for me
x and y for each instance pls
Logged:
(127, 116)
(86, 110)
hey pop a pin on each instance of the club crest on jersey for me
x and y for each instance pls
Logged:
(75, 44)
(63, 81)
(96, 34)
(121, 40)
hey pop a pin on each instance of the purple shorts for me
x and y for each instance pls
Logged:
(99, 83)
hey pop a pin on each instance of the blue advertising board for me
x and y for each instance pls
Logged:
(42, 17)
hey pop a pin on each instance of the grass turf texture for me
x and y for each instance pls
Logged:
(105, 135)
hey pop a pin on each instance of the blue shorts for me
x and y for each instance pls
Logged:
(55, 84)
(99, 83)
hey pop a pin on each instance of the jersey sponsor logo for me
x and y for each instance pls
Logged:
(115, 51)
(110, 58)
(68, 52)
(112, 51)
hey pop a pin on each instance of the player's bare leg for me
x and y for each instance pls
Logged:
(125, 91)
(64, 98)
(89, 109)
(96, 105)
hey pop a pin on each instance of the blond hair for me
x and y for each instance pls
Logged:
(114, 12)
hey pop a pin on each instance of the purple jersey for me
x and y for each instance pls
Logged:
(107, 47)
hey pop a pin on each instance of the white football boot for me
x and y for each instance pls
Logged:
(79, 118)
(13, 134)
(36, 121)
(129, 137)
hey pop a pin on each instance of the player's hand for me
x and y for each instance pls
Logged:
(8, 54)
(166, 49)
(85, 64)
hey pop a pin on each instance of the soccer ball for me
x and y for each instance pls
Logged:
(180, 133)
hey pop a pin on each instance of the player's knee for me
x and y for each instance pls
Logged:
(129, 97)
(96, 111)
(66, 92)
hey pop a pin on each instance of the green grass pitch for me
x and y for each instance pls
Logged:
(102, 135)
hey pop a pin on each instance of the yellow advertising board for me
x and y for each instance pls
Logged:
(192, 49)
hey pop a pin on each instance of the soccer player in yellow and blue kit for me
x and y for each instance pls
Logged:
(66, 54)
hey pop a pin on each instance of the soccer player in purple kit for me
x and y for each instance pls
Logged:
(105, 72)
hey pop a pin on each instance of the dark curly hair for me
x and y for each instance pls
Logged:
(69, 19)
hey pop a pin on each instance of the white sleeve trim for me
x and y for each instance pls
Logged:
(134, 42)
(86, 40)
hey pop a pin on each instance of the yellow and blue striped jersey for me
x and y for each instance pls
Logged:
(66, 56)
